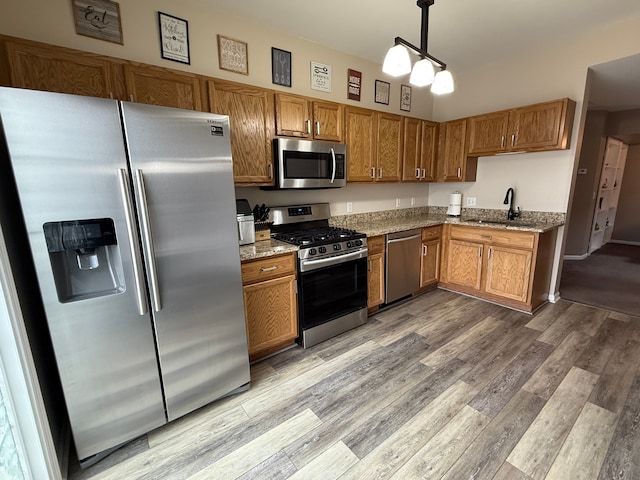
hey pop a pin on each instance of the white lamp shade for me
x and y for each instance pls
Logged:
(422, 73)
(443, 83)
(397, 61)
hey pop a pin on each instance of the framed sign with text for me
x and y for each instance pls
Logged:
(280, 67)
(233, 55)
(382, 92)
(405, 98)
(320, 77)
(354, 84)
(98, 19)
(174, 38)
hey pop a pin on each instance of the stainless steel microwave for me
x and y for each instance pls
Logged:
(309, 164)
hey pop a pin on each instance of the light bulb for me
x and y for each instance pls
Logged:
(422, 73)
(443, 83)
(397, 61)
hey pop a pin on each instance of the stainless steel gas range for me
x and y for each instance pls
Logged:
(332, 271)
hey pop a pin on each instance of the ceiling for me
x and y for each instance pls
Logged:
(465, 34)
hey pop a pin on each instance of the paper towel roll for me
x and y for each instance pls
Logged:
(455, 204)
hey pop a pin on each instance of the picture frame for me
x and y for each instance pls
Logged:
(280, 67)
(321, 77)
(405, 98)
(98, 19)
(233, 55)
(174, 38)
(382, 92)
(354, 84)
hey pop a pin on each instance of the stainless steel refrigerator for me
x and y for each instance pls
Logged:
(130, 215)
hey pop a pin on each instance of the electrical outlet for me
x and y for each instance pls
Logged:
(471, 201)
(397, 202)
(413, 201)
(349, 207)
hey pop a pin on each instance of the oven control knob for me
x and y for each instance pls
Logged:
(337, 246)
(323, 250)
(358, 243)
(349, 244)
(312, 251)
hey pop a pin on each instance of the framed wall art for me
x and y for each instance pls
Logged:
(233, 55)
(405, 98)
(98, 19)
(280, 67)
(382, 92)
(174, 38)
(320, 77)
(354, 84)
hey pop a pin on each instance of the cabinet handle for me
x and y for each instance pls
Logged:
(371, 265)
(308, 122)
(131, 98)
(271, 170)
(317, 128)
(489, 253)
(424, 173)
(479, 251)
(373, 172)
(486, 236)
(268, 269)
(424, 250)
(459, 172)
(380, 172)
(111, 95)
(417, 173)
(513, 139)
(502, 141)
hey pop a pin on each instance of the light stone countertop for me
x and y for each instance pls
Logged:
(265, 248)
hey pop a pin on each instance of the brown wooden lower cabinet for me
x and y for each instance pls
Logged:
(270, 304)
(430, 257)
(512, 268)
(375, 273)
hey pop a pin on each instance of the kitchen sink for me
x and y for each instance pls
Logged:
(502, 223)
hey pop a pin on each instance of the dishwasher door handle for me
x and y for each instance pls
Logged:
(404, 239)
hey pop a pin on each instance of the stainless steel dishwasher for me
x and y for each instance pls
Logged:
(402, 271)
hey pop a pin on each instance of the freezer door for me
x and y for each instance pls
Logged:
(68, 159)
(183, 181)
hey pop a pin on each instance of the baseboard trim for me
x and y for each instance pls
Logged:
(554, 297)
(576, 257)
(624, 242)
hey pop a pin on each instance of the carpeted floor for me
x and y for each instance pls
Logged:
(608, 278)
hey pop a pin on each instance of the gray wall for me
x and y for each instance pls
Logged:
(581, 216)
(627, 226)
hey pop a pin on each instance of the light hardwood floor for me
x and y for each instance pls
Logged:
(442, 386)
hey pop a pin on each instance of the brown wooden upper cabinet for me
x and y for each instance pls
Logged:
(419, 150)
(298, 116)
(454, 164)
(375, 145)
(251, 114)
(55, 69)
(538, 127)
(160, 86)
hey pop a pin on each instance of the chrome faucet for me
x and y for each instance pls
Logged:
(511, 214)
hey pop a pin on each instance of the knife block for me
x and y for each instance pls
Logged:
(263, 230)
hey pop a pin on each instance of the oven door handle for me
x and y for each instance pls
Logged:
(307, 265)
(333, 158)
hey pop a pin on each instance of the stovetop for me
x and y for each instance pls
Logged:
(314, 237)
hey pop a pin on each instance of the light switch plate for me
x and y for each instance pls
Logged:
(349, 207)
(471, 201)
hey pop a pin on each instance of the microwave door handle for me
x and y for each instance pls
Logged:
(333, 158)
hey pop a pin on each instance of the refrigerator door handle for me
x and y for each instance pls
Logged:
(133, 241)
(148, 241)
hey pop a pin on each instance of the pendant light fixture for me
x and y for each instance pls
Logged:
(397, 61)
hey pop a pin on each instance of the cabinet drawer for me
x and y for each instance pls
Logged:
(375, 244)
(267, 268)
(429, 233)
(494, 236)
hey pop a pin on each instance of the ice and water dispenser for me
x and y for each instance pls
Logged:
(85, 258)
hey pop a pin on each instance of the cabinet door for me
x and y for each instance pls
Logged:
(411, 151)
(250, 111)
(293, 117)
(271, 314)
(537, 126)
(508, 272)
(389, 147)
(327, 121)
(360, 128)
(56, 69)
(375, 279)
(464, 263)
(428, 142)
(452, 152)
(158, 86)
(487, 133)
(430, 263)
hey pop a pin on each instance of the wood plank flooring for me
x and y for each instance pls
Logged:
(442, 386)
